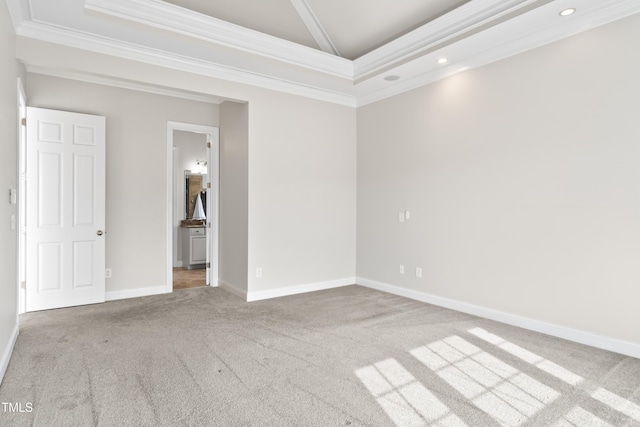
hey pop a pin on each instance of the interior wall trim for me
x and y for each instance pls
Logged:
(176, 19)
(146, 55)
(475, 34)
(464, 19)
(124, 84)
(233, 289)
(299, 289)
(315, 28)
(8, 351)
(582, 337)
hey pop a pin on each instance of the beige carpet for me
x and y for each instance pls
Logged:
(349, 356)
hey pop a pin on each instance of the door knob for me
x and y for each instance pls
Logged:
(99, 232)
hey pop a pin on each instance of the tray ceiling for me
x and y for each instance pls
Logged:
(355, 27)
(350, 52)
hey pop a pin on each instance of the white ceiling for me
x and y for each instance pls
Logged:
(341, 51)
(354, 27)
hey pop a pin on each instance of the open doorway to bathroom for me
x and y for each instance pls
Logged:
(194, 210)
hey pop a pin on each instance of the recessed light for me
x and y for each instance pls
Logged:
(391, 78)
(568, 12)
(443, 61)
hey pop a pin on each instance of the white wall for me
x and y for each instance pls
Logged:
(522, 181)
(135, 167)
(302, 179)
(8, 179)
(234, 196)
(302, 193)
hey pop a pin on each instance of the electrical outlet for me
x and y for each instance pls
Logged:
(418, 272)
(401, 269)
(258, 272)
(107, 273)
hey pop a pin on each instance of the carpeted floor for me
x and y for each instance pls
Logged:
(348, 356)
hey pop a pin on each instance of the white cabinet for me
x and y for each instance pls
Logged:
(194, 247)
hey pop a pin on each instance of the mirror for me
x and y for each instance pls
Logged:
(193, 187)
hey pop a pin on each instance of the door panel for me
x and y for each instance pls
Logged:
(65, 209)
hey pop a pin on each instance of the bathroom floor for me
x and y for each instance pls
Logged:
(184, 279)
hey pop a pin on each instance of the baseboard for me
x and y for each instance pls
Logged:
(299, 289)
(594, 340)
(8, 351)
(232, 289)
(135, 293)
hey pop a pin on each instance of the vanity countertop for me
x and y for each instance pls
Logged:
(191, 223)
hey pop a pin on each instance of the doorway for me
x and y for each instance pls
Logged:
(192, 226)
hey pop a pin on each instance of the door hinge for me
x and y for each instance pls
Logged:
(23, 284)
(23, 121)
(208, 145)
(208, 185)
(208, 265)
(208, 225)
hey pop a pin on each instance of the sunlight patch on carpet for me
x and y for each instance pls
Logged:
(579, 417)
(529, 357)
(618, 403)
(405, 400)
(500, 390)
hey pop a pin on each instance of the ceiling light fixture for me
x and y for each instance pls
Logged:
(568, 12)
(442, 61)
(391, 78)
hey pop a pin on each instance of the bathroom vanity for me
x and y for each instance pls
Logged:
(194, 247)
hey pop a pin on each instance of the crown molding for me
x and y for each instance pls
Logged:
(169, 17)
(463, 21)
(537, 36)
(124, 84)
(17, 13)
(117, 48)
(314, 26)
(540, 25)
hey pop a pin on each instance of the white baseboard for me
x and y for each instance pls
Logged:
(8, 350)
(233, 289)
(599, 341)
(299, 289)
(135, 293)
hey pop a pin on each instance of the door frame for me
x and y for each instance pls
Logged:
(213, 163)
(22, 207)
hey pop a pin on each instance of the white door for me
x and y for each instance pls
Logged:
(213, 177)
(209, 215)
(65, 209)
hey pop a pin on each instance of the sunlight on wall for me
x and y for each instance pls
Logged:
(503, 392)
(519, 352)
(405, 400)
(500, 390)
